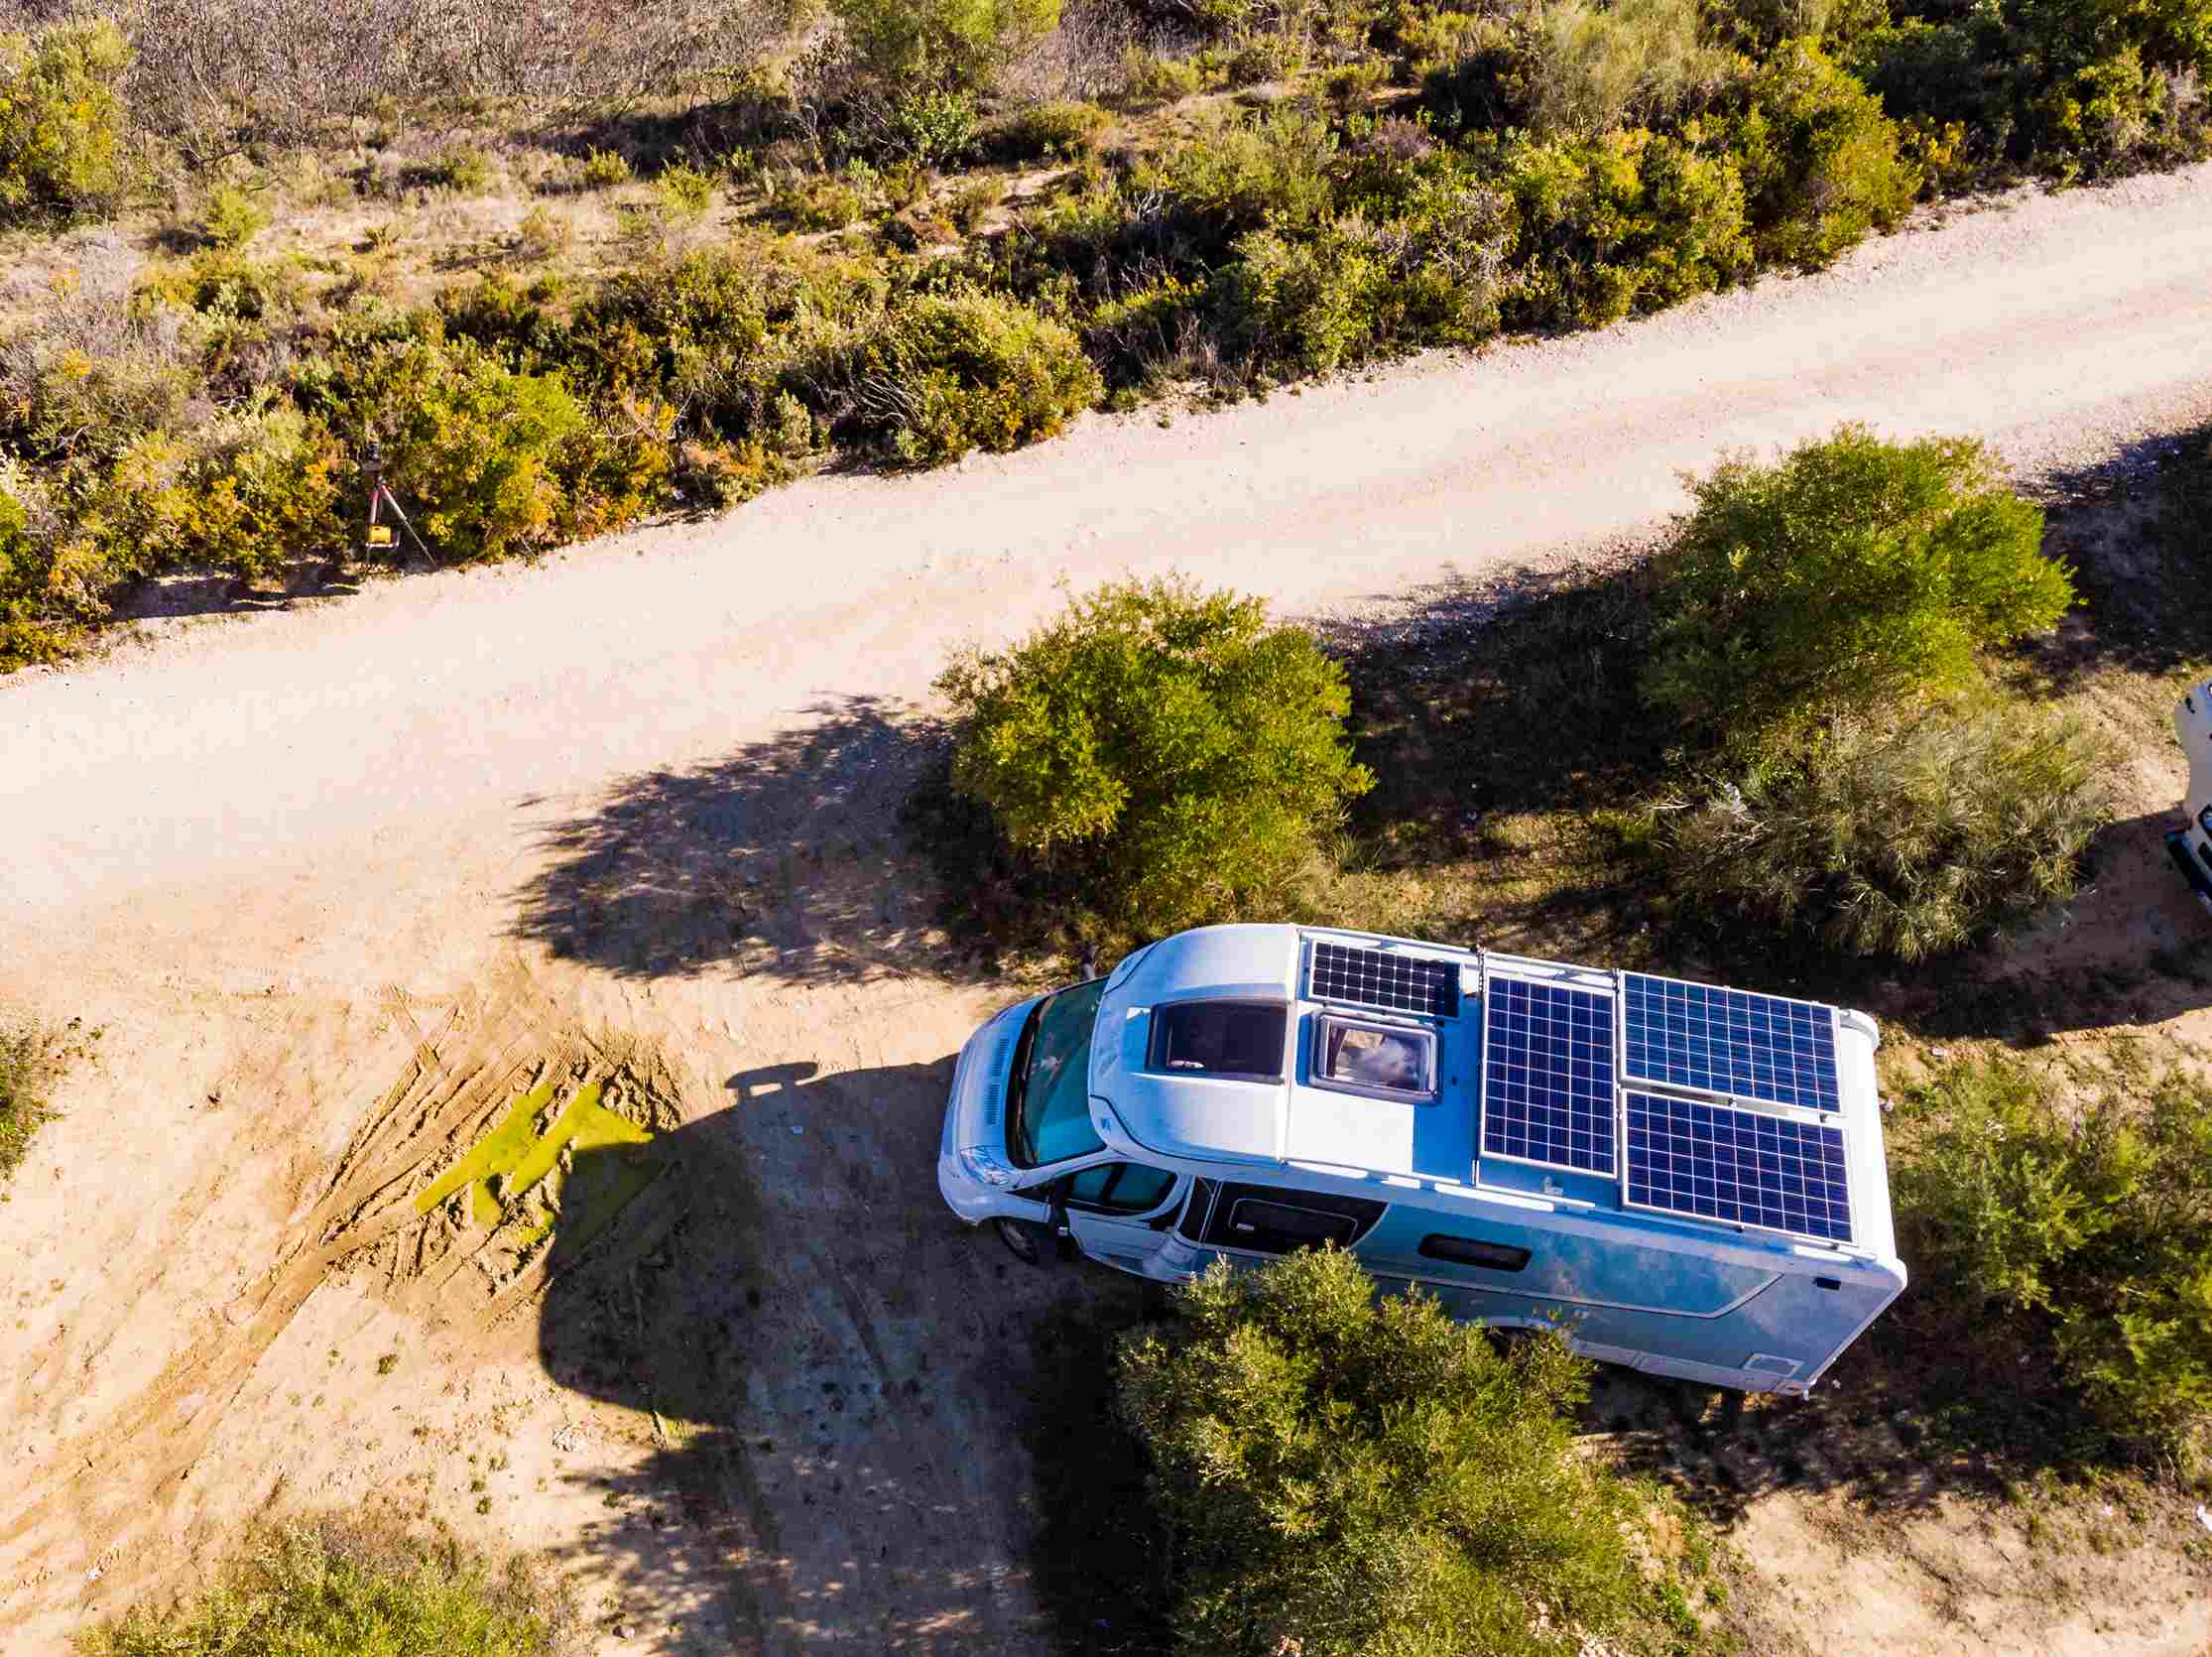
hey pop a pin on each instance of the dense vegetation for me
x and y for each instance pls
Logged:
(1810, 647)
(1157, 757)
(350, 1589)
(1398, 174)
(1343, 1474)
(2037, 1223)
(1822, 621)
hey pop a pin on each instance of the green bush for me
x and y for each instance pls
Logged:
(605, 169)
(1821, 162)
(942, 46)
(2083, 1227)
(685, 191)
(931, 126)
(230, 215)
(469, 443)
(1905, 841)
(1147, 79)
(723, 475)
(27, 1057)
(1351, 1477)
(1760, 24)
(1270, 172)
(1063, 130)
(343, 1589)
(1264, 57)
(951, 372)
(1427, 270)
(245, 492)
(1352, 86)
(2068, 89)
(1851, 574)
(65, 148)
(1303, 305)
(1165, 746)
(721, 332)
(218, 283)
(1620, 223)
(819, 201)
(458, 168)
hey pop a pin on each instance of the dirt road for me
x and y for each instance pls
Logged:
(333, 887)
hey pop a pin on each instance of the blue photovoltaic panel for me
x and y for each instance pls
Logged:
(1724, 1041)
(1718, 1162)
(1381, 978)
(1547, 1075)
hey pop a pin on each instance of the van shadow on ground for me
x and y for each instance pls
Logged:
(784, 858)
(1931, 1401)
(831, 1381)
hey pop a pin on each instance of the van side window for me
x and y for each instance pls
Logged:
(1243, 1039)
(1472, 1251)
(1275, 1219)
(1122, 1188)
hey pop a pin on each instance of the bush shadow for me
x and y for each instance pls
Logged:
(1476, 698)
(836, 1392)
(784, 858)
(2133, 529)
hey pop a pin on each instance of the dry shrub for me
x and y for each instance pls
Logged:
(1149, 79)
(284, 68)
(1904, 841)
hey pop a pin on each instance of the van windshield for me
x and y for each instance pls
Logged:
(1049, 1113)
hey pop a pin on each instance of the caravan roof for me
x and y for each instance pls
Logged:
(1661, 1104)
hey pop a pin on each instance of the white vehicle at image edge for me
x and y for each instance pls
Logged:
(1678, 1178)
(2191, 846)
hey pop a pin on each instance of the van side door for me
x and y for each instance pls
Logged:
(1118, 1211)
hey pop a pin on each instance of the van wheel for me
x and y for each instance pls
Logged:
(1023, 1239)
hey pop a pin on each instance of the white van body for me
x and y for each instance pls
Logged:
(2191, 846)
(1526, 1140)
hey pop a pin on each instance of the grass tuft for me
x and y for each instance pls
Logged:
(27, 1065)
(350, 1588)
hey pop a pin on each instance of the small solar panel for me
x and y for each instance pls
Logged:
(1727, 1041)
(1547, 1075)
(1720, 1162)
(1379, 979)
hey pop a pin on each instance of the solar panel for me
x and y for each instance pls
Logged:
(1726, 1041)
(1720, 1162)
(1547, 1075)
(1381, 978)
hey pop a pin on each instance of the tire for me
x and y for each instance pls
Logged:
(1024, 1240)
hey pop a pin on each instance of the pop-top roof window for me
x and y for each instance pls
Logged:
(1374, 1059)
(1241, 1039)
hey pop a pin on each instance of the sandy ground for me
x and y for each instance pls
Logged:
(327, 889)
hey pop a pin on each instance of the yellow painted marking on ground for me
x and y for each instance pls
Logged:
(496, 1153)
(584, 1125)
(524, 1158)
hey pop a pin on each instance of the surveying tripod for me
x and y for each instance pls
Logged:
(377, 534)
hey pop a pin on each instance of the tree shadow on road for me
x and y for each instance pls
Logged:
(784, 858)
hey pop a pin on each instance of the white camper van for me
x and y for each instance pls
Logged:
(1679, 1178)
